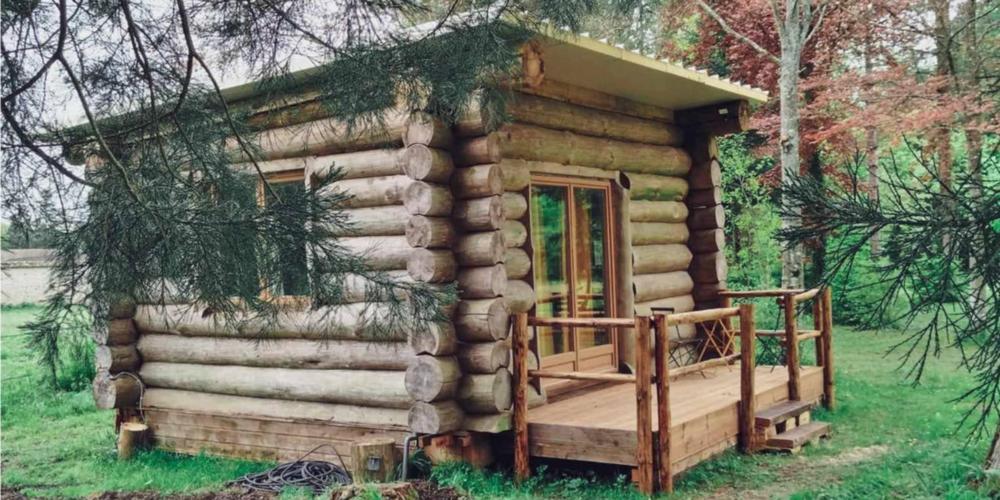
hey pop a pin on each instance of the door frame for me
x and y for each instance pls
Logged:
(611, 279)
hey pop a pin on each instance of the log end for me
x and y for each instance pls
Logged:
(120, 392)
(435, 418)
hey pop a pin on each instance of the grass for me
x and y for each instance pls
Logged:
(891, 440)
(59, 444)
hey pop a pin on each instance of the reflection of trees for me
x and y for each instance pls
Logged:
(551, 203)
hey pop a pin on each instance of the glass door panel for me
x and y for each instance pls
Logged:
(571, 243)
(591, 284)
(549, 224)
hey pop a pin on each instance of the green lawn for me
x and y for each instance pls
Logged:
(61, 445)
(891, 440)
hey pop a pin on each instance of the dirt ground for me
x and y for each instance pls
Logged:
(425, 490)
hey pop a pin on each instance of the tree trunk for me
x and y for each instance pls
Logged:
(993, 458)
(871, 156)
(788, 89)
(817, 248)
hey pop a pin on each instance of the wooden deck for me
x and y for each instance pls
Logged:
(598, 424)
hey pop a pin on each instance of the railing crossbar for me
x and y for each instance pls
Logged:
(583, 322)
(620, 378)
(702, 316)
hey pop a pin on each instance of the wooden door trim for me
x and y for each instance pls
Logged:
(611, 280)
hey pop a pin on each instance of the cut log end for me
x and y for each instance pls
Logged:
(436, 339)
(431, 266)
(435, 418)
(432, 378)
(122, 391)
(423, 163)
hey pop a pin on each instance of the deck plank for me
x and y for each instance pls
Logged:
(598, 423)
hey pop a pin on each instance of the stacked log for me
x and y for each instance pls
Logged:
(487, 191)
(400, 204)
(705, 221)
(432, 376)
(327, 362)
(117, 359)
(659, 251)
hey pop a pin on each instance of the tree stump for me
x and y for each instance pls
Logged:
(131, 437)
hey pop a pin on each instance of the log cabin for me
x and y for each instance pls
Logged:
(586, 238)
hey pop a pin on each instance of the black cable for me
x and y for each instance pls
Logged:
(316, 475)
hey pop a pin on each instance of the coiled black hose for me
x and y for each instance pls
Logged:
(316, 475)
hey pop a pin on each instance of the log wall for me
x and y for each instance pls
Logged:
(492, 218)
(436, 205)
(560, 135)
(319, 375)
(706, 223)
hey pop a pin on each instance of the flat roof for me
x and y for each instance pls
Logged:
(597, 65)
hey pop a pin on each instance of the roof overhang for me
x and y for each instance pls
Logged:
(599, 66)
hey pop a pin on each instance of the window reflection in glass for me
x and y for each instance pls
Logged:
(549, 222)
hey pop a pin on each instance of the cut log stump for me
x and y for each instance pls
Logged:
(132, 436)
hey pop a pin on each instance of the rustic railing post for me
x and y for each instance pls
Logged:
(644, 410)
(661, 354)
(818, 316)
(725, 302)
(522, 467)
(826, 333)
(792, 349)
(748, 371)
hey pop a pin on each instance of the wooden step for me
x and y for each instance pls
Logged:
(781, 412)
(795, 438)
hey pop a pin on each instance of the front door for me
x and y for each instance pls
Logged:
(572, 243)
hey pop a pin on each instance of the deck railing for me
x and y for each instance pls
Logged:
(792, 335)
(653, 462)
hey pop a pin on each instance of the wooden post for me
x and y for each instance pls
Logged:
(818, 326)
(792, 349)
(644, 410)
(661, 354)
(374, 460)
(826, 333)
(726, 302)
(522, 468)
(748, 370)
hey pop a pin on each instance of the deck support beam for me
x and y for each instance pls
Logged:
(644, 409)
(826, 334)
(748, 370)
(522, 467)
(792, 349)
(661, 353)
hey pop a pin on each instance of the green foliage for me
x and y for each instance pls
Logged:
(752, 249)
(751, 215)
(543, 483)
(856, 289)
(941, 258)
